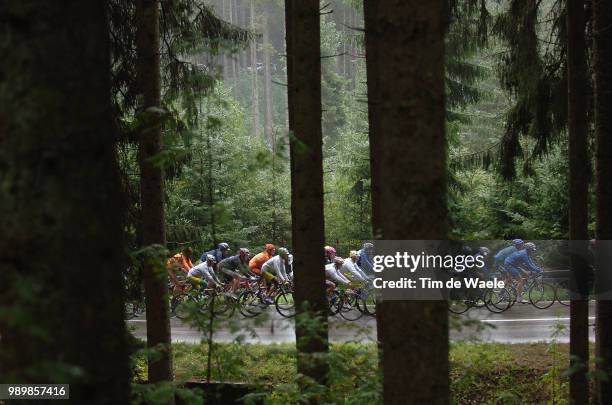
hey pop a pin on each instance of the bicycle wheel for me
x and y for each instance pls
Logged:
(284, 304)
(249, 304)
(458, 302)
(333, 303)
(180, 305)
(349, 308)
(498, 301)
(562, 293)
(367, 305)
(224, 305)
(542, 295)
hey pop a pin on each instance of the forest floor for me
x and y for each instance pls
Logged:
(480, 372)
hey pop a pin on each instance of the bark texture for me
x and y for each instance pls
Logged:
(304, 80)
(151, 189)
(578, 193)
(602, 67)
(61, 252)
(405, 49)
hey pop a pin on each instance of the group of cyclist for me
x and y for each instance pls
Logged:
(515, 262)
(217, 268)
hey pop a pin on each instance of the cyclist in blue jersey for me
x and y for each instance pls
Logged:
(365, 261)
(502, 255)
(519, 262)
(220, 253)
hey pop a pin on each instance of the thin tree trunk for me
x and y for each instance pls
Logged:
(602, 67)
(255, 96)
(61, 208)
(267, 48)
(578, 192)
(304, 79)
(151, 189)
(226, 61)
(411, 179)
(372, 40)
(231, 19)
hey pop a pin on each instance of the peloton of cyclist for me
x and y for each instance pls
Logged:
(220, 253)
(204, 273)
(520, 261)
(178, 266)
(260, 258)
(330, 253)
(351, 270)
(232, 266)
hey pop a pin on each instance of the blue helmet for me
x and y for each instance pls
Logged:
(518, 242)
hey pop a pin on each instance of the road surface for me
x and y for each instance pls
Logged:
(521, 324)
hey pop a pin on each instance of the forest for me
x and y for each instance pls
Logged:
(192, 192)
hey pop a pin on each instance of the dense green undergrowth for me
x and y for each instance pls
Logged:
(480, 372)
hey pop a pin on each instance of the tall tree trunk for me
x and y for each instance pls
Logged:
(408, 101)
(255, 95)
(267, 49)
(232, 20)
(578, 192)
(61, 250)
(304, 80)
(602, 67)
(151, 189)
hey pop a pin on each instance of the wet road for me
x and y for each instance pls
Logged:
(522, 323)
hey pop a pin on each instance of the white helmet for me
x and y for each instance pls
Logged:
(530, 246)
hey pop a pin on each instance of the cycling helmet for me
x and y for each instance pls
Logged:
(283, 252)
(211, 258)
(368, 245)
(269, 247)
(243, 252)
(483, 250)
(223, 246)
(338, 260)
(353, 253)
(330, 250)
(530, 246)
(518, 242)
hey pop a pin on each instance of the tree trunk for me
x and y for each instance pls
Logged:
(406, 41)
(151, 189)
(304, 80)
(61, 251)
(232, 20)
(267, 48)
(602, 67)
(578, 193)
(255, 95)
(372, 42)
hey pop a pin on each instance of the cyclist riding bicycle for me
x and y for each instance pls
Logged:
(204, 273)
(365, 261)
(220, 253)
(178, 266)
(259, 259)
(275, 267)
(330, 253)
(519, 262)
(233, 266)
(332, 272)
(502, 255)
(351, 270)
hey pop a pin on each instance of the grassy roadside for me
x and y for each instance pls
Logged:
(480, 372)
